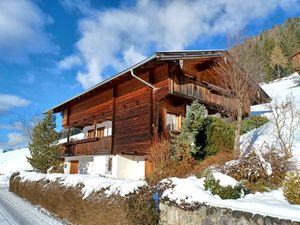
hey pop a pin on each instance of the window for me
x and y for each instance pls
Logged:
(173, 122)
(100, 132)
(90, 134)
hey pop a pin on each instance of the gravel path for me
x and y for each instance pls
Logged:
(16, 211)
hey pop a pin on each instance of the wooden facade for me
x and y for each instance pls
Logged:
(296, 61)
(145, 98)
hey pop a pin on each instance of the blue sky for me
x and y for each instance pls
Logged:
(52, 50)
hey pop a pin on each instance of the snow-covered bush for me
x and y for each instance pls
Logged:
(291, 188)
(260, 172)
(249, 167)
(225, 192)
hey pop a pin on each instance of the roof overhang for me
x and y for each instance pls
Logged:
(158, 56)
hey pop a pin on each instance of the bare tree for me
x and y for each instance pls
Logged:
(25, 124)
(286, 119)
(236, 77)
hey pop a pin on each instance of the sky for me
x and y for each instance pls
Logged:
(53, 50)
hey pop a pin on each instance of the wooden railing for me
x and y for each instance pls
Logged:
(91, 146)
(200, 91)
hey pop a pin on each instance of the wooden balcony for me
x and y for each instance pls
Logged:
(91, 146)
(204, 92)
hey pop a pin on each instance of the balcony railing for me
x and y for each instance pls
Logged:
(91, 146)
(203, 91)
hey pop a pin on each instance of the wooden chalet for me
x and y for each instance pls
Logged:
(296, 61)
(120, 114)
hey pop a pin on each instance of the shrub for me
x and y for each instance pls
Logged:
(166, 161)
(225, 192)
(260, 172)
(142, 209)
(291, 188)
(252, 123)
(219, 136)
(160, 151)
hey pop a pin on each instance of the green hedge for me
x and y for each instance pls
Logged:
(219, 136)
(252, 123)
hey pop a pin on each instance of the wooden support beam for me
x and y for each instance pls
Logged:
(68, 135)
(95, 127)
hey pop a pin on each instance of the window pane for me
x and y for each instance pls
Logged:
(174, 125)
(168, 121)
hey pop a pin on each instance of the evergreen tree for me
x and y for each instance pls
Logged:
(278, 60)
(42, 148)
(192, 136)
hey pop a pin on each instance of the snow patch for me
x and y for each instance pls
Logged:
(191, 190)
(91, 183)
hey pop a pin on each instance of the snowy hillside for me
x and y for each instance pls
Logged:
(13, 161)
(264, 136)
(16, 160)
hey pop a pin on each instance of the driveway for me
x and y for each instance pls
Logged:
(16, 211)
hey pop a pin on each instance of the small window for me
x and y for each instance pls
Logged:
(100, 132)
(90, 134)
(173, 122)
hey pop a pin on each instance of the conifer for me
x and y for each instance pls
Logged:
(43, 147)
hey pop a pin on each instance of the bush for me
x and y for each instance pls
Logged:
(252, 123)
(219, 136)
(142, 209)
(225, 192)
(166, 161)
(291, 188)
(260, 172)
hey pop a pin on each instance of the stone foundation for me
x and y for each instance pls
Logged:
(210, 215)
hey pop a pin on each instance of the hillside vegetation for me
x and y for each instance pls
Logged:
(272, 50)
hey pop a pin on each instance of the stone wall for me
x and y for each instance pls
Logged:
(210, 215)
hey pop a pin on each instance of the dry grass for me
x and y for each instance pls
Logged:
(216, 160)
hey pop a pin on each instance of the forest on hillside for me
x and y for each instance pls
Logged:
(270, 51)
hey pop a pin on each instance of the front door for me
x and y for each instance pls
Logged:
(74, 167)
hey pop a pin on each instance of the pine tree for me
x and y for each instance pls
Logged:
(42, 148)
(278, 60)
(193, 127)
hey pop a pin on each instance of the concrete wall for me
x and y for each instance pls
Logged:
(210, 215)
(130, 167)
(85, 164)
(123, 166)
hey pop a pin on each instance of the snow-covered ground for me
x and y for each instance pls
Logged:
(16, 160)
(11, 162)
(264, 136)
(91, 183)
(191, 190)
